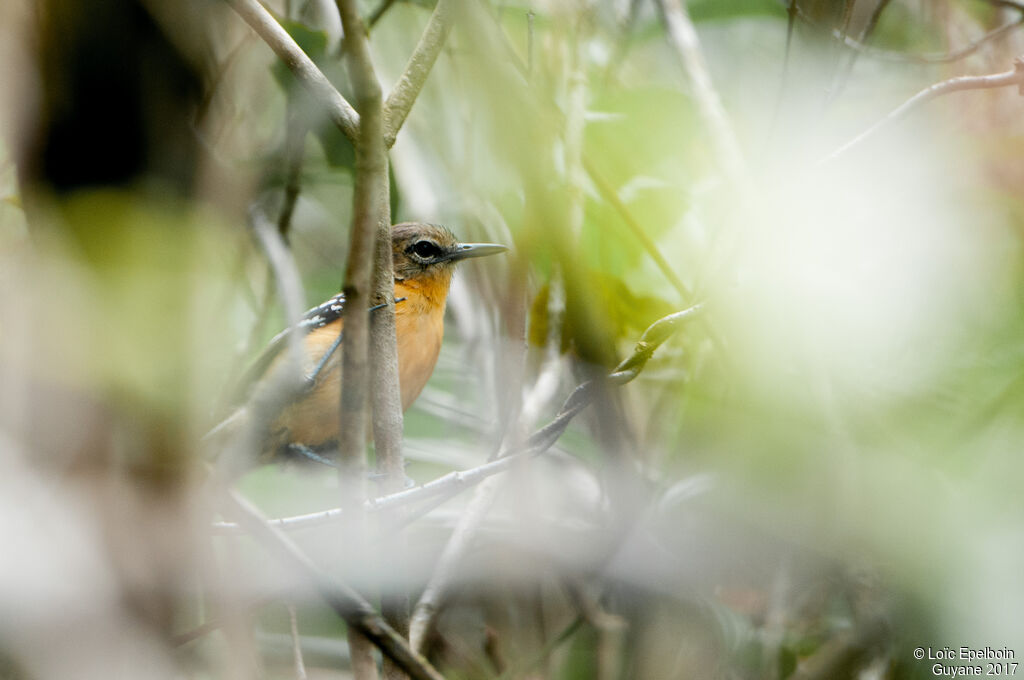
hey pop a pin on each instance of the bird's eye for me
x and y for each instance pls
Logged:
(426, 249)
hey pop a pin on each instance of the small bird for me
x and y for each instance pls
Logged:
(425, 256)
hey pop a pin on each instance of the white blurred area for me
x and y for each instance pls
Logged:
(863, 274)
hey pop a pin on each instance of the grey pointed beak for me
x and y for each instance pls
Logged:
(464, 251)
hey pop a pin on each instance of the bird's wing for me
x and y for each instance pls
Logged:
(323, 314)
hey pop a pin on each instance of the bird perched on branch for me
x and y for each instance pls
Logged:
(425, 256)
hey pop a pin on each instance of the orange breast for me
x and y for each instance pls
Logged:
(313, 419)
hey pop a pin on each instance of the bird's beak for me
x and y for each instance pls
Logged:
(464, 251)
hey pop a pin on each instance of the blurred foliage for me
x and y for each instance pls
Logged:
(833, 444)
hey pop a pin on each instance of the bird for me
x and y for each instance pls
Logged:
(424, 257)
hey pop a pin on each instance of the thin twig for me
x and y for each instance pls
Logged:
(959, 84)
(610, 629)
(540, 441)
(684, 39)
(294, 152)
(312, 78)
(245, 431)
(841, 656)
(300, 664)
(421, 624)
(555, 642)
(382, 8)
(289, 283)
(356, 611)
(609, 194)
(544, 113)
(403, 95)
(928, 58)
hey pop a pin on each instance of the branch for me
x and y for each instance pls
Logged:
(244, 431)
(545, 114)
(403, 94)
(421, 624)
(370, 182)
(609, 194)
(684, 39)
(357, 612)
(289, 283)
(1005, 79)
(302, 67)
(378, 13)
(540, 441)
(841, 656)
(523, 668)
(300, 664)
(932, 58)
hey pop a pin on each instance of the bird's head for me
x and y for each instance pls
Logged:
(428, 252)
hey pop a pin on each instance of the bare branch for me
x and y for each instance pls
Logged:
(300, 664)
(959, 84)
(370, 168)
(609, 194)
(929, 58)
(244, 431)
(378, 13)
(421, 625)
(294, 152)
(371, 216)
(357, 612)
(312, 78)
(684, 39)
(403, 94)
(289, 282)
(842, 655)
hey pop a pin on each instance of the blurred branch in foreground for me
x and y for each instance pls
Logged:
(347, 603)
(684, 39)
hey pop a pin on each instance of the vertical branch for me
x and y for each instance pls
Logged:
(369, 167)
(387, 401)
(300, 664)
(294, 152)
(387, 413)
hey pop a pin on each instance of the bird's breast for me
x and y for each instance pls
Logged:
(313, 419)
(419, 344)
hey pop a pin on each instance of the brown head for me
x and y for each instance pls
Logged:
(425, 255)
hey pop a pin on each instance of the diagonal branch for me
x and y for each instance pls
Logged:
(958, 84)
(436, 592)
(302, 67)
(684, 39)
(356, 611)
(609, 194)
(409, 84)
